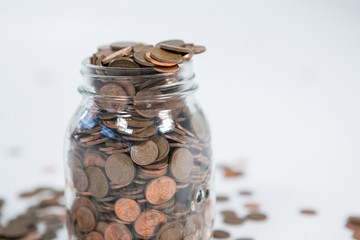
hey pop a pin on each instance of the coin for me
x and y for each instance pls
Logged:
(98, 186)
(117, 231)
(160, 190)
(199, 49)
(117, 54)
(162, 145)
(92, 158)
(308, 211)
(112, 89)
(222, 198)
(140, 58)
(81, 182)
(181, 164)
(120, 169)
(234, 220)
(158, 63)
(170, 231)
(94, 236)
(144, 153)
(141, 102)
(167, 69)
(165, 56)
(256, 216)
(174, 48)
(127, 209)
(123, 62)
(85, 219)
(149, 222)
(120, 45)
(220, 234)
(198, 125)
(173, 42)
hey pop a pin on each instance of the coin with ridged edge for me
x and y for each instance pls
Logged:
(144, 153)
(165, 56)
(98, 186)
(127, 209)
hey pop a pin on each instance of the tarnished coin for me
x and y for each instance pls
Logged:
(117, 54)
(117, 231)
(144, 153)
(123, 62)
(81, 182)
(98, 186)
(199, 49)
(163, 146)
(120, 45)
(94, 236)
(170, 231)
(140, 58)
(85, 219)
(142, 101)
(174, 48)
(220, 234)
(181, 163)
(160, 190)
(256, 216)
(145, 48)
(93, 158)
(172, 42)
(120, 169)
(112, 89)
(149, 222)
(127, 209)
(165, 56)
(198, 125)
(234, 220)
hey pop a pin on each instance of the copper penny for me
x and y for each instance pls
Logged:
(112, 89)
(85, 219)
(98, 186)
(94, 236)
(123, 44)
(120, 169)
(174, 48)
(117, 54)
(167, 69)
(117, 231)
(198, 125)
(92, 158)
(173, 42)
(170, 231)
(158, 63)
(256, 216)
(199, 49)
(163, 146)
(127, 209)
(165, 56)
(141, 102)
(149, 222)
(220, 234)
(123, 62)
(144, 153)
(308, 211)
(160, 190)
(140, 58)
(181, 163)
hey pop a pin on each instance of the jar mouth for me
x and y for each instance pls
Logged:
(168, 85)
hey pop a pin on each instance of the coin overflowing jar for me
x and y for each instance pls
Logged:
(138, 153)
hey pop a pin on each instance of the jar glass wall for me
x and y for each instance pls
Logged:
(138, 157)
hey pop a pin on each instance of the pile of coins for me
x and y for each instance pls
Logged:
(164, 57)
(140, 169)
(49, 212)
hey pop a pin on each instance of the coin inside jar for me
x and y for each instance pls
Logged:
(149, 222)
(98, 186)
(181, 163)
(144, 153)
(120, 169)
(85, 219)
(171, 231)
(160, 190)
(127, 209)
(116, 231)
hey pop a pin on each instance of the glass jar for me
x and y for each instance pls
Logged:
(138, 157)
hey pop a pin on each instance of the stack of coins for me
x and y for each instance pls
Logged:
(140, 172)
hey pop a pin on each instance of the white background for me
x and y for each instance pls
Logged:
(279, 83)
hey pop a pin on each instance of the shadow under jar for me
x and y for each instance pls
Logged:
(138, 157)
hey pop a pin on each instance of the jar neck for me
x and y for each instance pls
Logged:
(140, 83)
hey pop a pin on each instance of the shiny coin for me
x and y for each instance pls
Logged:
(120, 169)
(98, 186)
(94, 236)
(144, 153)
(149, 222)
(127, 209)
(165, 56)
(117, 231)
(140, 58)
(167, 69)
(117, 54)
(123, 62)
(85, 219)
(157, 63)
(181, 163)
(160, 190)
(170, 231)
